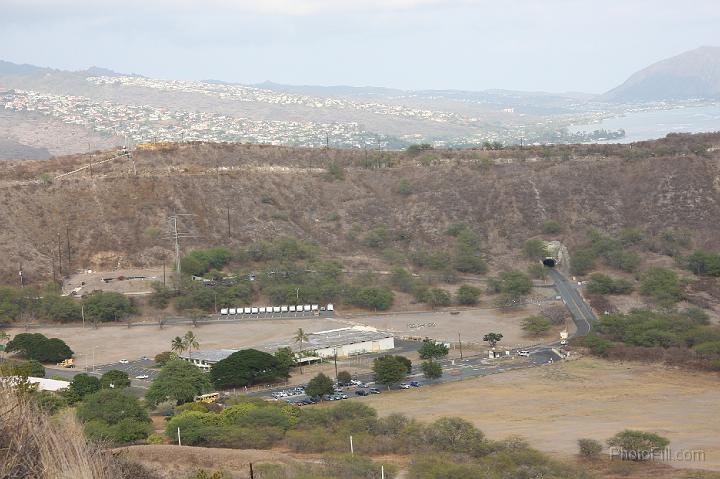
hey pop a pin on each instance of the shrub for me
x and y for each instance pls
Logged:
(535, 325)
(335, 171)
(452, 434)
(467, 295)
(111, 406)
(372, 297)
(537, 271)
(704, 263)
(389, 370)
(552, 227)
(582, 261)
(401, 280)
(405, 188)
(637, 445)
(455, 229)
(603, 284)
(438, 297)
(535, 249)
(662, 285)
(589, 448)
(161, 359)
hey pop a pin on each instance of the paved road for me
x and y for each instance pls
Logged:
(582, 314)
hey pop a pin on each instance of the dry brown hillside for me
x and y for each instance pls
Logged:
(116, 216)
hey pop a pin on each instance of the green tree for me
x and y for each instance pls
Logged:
(438, 297)
(432, 350)
(178, 381)
(161, 359)
(54, 307)
(603, 284)
(389, 370)
(115, 379)
(319, 385)
(160, 296)
(467, 295)
(108, 306)
(344, 377)
(432, 369)
(111, 407)
(286, 357)
(177, 345)
(401, 280)
(300, 338)
(372, 297)
(190, 342)
(704, 263)
(582, 261)
(82, 385)
(453, 434)
(39, 347)
(492, 338)
(246, 368)
(662, 285)
(637, 445)
(535, 325)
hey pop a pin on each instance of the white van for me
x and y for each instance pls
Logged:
(232, 311)
(292, 309)
(330, 307)
(276, 309)
(254, 310)
(283, 309)
(224, 311)
(247, 310)
(262, 310)
(306, 307)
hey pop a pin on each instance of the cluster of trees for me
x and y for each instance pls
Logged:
(684, 332)
(47, 304)
(466, 255)
(39, 347)
(449, 447)
(389, 370)
(703, 263)
(663, 286)
(247, 368)
(630, 445)
(614, 252)
(511, 287)
(603, 284)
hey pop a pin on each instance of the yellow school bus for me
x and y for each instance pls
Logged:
(208, 398)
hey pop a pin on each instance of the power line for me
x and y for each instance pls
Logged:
(175, 234)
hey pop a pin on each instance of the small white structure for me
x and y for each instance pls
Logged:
(41, 384)
(205, 359)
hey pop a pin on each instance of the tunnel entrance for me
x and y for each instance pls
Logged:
(549, 262)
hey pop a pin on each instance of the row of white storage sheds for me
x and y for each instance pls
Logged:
(300, 308)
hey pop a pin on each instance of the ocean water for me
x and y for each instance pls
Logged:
(648, 125)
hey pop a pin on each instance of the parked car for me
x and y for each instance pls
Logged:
(524, 353)
(362, 392)
(142, 376)
(415, 384)
(124, 361)
(145, 358)
(374, 391)
(404, 386)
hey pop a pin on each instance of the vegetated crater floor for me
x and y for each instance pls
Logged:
(553, 406)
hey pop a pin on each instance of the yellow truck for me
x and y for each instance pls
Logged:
(67, 363)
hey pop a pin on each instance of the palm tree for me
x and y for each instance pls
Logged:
(177, 345)
(300, 337)
(190, 342)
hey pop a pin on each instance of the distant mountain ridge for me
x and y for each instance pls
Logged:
(691, 75)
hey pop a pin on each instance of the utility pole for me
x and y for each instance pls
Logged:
(59, 252)
(228, 221)
(22, 281)
(163, 272)
(460, 344)
(336, 371)
(67, 237)
(175, 234)
(252, 474)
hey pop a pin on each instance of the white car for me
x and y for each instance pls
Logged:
(524, 353)
(124, 361)
(404, 386)
(142, 376)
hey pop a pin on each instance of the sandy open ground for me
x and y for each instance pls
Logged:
(116, 341)
(552, 406)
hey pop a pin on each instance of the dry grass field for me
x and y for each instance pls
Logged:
(553, 406)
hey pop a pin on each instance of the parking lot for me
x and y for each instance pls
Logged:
(138, 367)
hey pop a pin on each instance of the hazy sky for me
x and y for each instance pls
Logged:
(552, 45)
